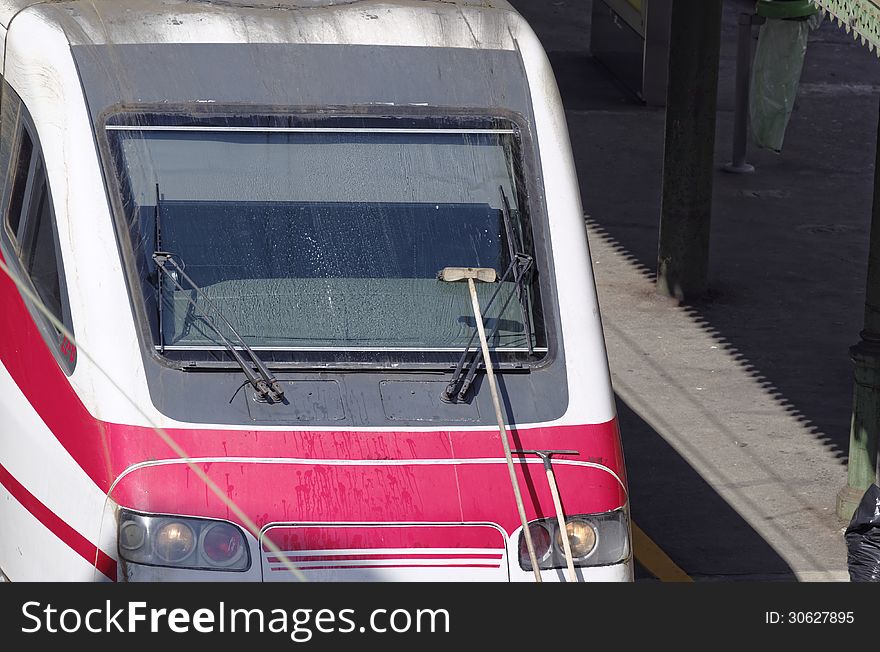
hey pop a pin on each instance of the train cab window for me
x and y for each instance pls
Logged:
(327, 241)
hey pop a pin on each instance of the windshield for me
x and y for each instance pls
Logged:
(327, 238)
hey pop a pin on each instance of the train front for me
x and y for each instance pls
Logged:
(282, 211)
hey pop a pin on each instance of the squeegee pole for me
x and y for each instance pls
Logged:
(560, 518)
(490, 374)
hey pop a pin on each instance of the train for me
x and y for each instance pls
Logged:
(231, 348)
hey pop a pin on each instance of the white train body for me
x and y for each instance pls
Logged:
(361, 473)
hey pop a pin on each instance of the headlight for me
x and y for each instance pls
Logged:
(595, 540)
(174, 542)
(223, 544)
(582, 538)
(180, 542)
(542, 541)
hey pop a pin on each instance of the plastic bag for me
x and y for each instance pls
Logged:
(776, 72)
(863, 539)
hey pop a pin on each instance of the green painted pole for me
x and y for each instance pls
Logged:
(688, 157)
(863, 469)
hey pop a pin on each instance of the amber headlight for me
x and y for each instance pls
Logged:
(595, 540)
(181, 542)
(174, 542)
(582, 538)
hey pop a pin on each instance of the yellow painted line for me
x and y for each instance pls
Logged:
(655, 561)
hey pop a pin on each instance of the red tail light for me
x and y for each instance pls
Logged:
(222, 544)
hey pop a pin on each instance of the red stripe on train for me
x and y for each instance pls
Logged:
(73, 539)
(371, 566)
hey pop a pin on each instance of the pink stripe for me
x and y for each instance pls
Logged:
(312, 568)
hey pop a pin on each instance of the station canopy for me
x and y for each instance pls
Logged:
(859, 17)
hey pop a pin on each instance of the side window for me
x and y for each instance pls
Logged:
(9, 121)
(38, 252)
(21, 173)
(31, 232)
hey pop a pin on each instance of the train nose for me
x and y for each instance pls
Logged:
(318, 521)
(341, 520)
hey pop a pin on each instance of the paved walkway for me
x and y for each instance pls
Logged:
(735, 412)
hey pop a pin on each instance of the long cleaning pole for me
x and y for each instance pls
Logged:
(560, 518)
(490, 374)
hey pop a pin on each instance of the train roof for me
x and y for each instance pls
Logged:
(142, 20)
(466, 53)
(8, 8)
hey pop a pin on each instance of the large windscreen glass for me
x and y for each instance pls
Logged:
(329, 238)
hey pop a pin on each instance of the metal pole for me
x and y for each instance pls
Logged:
(499, 416)
(560, 520)
(688, 158)
(738, 163)
(863, 468)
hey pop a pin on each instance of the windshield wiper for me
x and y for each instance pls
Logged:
(478, 355)
(520, 271)
(160, 289)
(520, 264)
(449, 394)
(265, 384)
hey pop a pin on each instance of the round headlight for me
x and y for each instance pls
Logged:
(222, 544)
(582, 538)
(132, 535)
(541, 541)
(174, 542)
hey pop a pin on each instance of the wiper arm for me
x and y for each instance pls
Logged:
(158, 218)
(478, 356)
(265, 384)
(520, 264)
(519, 273)
(447, 395)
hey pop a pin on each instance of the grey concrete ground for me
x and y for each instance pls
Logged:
(735, 411)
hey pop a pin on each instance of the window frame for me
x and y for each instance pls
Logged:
(530, 204)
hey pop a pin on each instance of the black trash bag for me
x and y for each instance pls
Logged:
(863, 539)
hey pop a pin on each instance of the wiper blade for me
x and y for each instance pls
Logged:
(478, 356)
(519, 273)
(160, 289)
(520, 264)
(449, 394)
(265, 384)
